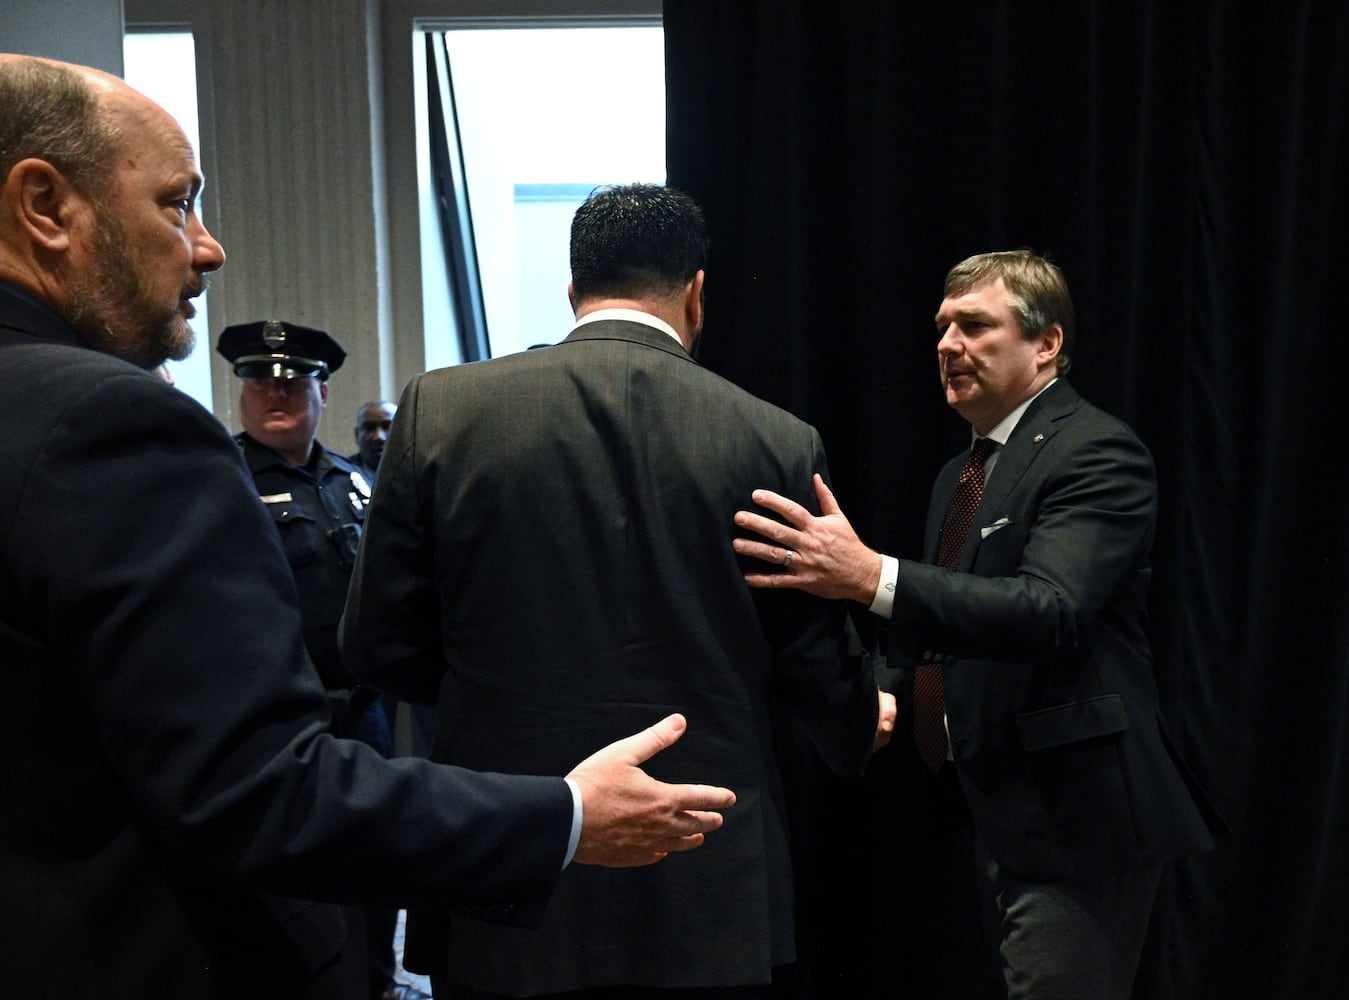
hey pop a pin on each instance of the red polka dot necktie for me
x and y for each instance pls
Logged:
(929, 707)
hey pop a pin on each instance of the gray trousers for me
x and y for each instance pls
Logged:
(1068, 940)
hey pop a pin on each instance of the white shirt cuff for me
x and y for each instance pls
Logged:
(576, 817)
(883, 603)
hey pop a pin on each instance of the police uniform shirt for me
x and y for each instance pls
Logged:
(318, 510)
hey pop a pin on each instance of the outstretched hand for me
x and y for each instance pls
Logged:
(629, 818)
(820, 555)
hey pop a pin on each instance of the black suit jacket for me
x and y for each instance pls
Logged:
(168, 765)
(547, 552)
(1050, 695)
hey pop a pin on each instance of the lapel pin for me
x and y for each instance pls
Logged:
(1038, 438)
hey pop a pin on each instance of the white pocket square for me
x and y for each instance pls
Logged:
(988, 529)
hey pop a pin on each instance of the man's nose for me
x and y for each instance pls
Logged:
(949, 342)
(207, 253)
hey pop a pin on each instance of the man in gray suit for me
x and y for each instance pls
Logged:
(1026, 646)
(168, 838)
(547, 555)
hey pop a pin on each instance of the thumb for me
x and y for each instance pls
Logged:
(641, 747)
(828, 505)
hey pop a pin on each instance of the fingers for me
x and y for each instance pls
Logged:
(769, 581)
(704, 822)
(686, 843)
(790, 510)
(888, 711)
(776, 554)
(686, 830)
(697, 817)
(825, 496)
(673, 846)
(783, 545)
(696, 803)
(885, 720)
(775, 531)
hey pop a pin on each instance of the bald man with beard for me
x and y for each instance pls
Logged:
(172, 836)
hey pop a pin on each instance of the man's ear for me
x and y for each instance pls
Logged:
(1051, 342)
(571, 296)
(43, 203)
(693, 301)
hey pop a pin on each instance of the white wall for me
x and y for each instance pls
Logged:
(79, 31)
(287, 150)
(309, 151)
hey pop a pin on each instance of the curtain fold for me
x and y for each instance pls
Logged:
(1185, 164)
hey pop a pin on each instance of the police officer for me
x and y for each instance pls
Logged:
(317, 500)
(316, 497)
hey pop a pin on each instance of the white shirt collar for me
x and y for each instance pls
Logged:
(630, 316)
(1002, 430)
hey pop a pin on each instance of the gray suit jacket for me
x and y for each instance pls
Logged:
(548, 554)
(1050, 695)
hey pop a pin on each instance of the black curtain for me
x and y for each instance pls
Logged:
(1186, 164)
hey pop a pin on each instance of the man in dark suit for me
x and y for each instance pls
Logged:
(152, 844)
(547, 555)
(1026, 644)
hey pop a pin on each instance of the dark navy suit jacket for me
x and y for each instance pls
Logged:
(169, 775)
(1050, 693)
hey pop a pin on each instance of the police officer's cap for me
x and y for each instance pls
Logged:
(274, 349)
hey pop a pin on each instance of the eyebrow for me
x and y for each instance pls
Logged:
(189, 181)
(964, 312)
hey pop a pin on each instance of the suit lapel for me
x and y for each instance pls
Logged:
(1033, 431)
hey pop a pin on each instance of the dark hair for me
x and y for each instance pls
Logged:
(47, 112)
(636, 241)
(1036, 291)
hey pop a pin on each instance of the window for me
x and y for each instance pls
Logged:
(529, 121)
(163, 66)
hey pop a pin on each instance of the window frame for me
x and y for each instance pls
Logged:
(403, 24)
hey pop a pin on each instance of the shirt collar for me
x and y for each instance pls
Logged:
(629, 316)
(1002, 430)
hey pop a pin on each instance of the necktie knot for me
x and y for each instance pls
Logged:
(983, 447)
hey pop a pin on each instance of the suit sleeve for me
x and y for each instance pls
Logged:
(829, 690)
(1089, 533)
(390, 633)
(166, 604)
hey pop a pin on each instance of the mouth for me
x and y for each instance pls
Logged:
(190, 292)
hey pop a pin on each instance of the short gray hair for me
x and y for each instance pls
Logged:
(48, 112)
(1036, 291)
